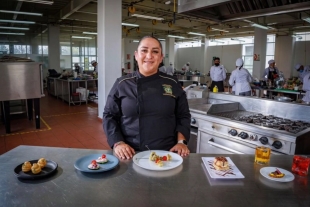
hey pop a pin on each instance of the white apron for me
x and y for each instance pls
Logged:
(238, 88)
(306, 97)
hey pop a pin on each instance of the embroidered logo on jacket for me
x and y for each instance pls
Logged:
(168, 90)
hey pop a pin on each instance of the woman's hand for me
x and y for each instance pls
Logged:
(181, 149)
(124, 151)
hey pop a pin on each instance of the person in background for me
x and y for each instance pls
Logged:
(217, 75)
(240, 79)
(185, 67)
(271, 72)
(94, 64)
(170, 69)
(162, 67)
(306, 87)
(147, 109)
(78, 68)
(302, 71)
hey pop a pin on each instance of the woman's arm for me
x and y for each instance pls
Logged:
(232, 79)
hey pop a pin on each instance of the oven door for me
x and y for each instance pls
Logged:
(211, 143)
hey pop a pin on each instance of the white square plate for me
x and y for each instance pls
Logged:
(232, 173)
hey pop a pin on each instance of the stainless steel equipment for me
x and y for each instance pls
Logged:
(197, 92)
(226, 129)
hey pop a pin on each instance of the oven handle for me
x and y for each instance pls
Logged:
(211, 142)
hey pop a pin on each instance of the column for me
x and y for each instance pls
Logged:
(260, 42)
(203, 65)
(53, 47)
(109, 20)
(170, 55)
(284, 53)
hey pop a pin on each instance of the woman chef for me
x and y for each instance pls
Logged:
(240, 79)
(306, 87)
(271, 72)
(147, 109)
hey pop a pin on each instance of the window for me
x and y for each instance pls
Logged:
(270, 49)
(43, 49)
(22, 49)
(65, 50)
(247, 55)
(4, 49)
(75, 50)
(302, 36)
(189, 44)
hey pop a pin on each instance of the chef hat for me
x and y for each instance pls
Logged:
(239, 62)
(93, 61)
(271, 61)
(188, 63)
(297, 66)
(76, 64)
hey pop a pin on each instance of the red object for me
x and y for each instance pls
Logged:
(164, 158)
(103, 156)
(75, 94)
(300, 165)
(94, 162)
(157, 160)
(128, 65)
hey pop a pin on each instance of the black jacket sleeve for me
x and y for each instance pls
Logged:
(111, 116)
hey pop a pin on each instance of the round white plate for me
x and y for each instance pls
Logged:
(142, 160)
(287, 178)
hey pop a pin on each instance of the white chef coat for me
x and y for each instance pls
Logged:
(240, 80)
(304, 73)
(170, 70)
(185, 68)
(218, 73)
(162, 69)
(266, 73)
(306, 87)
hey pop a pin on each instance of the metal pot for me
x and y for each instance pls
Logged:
(282, 98)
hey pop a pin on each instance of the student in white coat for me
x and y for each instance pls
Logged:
(302, 71)
(185, 67)
(170, 69)
(306, 87)
(240, 79)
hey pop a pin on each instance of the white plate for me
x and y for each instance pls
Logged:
(232, 173)
(287, 178)
(142, 160)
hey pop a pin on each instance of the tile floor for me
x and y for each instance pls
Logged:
(61, 126)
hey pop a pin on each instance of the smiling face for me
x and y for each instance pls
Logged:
(149, 56)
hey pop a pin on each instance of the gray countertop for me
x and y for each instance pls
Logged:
(129, 185)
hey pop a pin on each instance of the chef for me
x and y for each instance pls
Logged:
(78, 68)
(271, 72)
(302, 71)
(306, 87)
(185, 67)
(217, 75)
(170, 69)
(240, 79)
(162, 67)
(94, 64)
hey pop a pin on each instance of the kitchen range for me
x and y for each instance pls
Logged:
(229, 124)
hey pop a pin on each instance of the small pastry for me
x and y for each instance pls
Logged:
(277, 174)
(35, 169)
(152, 156)
(169, 157)
(220, 163)
(93, 165)
(42, 162)
(26, 167)
(103, 159)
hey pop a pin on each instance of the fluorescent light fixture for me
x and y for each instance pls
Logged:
(215, 29)
(18, 12)
(10, 33)
(15, 28)
(39, 1)
(91, 33)
(79, 37)
(130, 25)
(259, 26)
(8, 41)
(234, 39)
(195, 33)
(168, 2)
(16, 21)
(161, 39)
(307, 19)
(298, 37)
(135, 41)
(217, 41)
(202, 43)
(147, 17)
(179, 37)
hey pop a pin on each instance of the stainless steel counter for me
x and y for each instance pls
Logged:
(129, 185)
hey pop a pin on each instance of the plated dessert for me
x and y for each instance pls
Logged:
(93, 165)
(220, 163)
(35, 168)
(159, 159)
(277, 174)
(103, 159)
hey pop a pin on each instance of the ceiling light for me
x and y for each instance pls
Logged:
(298, 37)
(18, 12)
(79, 37)
(135, 41)
(147, 17)
(16, 21)
(180, 37)
(195, 33)
(91, 33)
(130, 25)
(215, 29)
(234, 39)
(307, 19)
(10, 33)
(15, 28)
(39, 1)
(161, 39)
(167, 2)
(259, 26)
(217, 41)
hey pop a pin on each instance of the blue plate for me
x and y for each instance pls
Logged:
(82, 163)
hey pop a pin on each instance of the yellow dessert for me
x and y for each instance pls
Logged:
(220, 163)
(276, 174)
(35, 169)
(26, 167)
(42, 162)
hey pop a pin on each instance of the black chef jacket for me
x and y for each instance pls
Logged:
(146, 111)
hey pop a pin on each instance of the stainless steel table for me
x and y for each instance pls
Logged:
(129, 185)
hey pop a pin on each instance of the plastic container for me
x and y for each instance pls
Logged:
(215, 89)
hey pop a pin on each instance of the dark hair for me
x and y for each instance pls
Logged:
(217, 58)
(145, 37)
